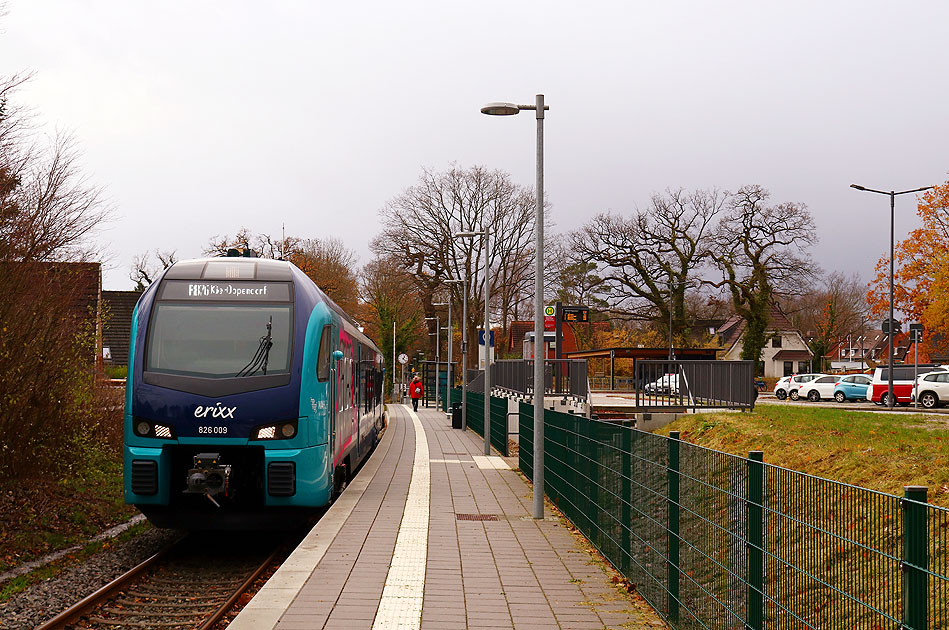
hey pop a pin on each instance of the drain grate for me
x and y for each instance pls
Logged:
(476, 517)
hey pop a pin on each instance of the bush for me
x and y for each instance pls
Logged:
(48, 392)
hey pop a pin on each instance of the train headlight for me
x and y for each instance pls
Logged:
(146, 428)
(276, 431)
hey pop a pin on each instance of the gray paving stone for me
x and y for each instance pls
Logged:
(512, 573)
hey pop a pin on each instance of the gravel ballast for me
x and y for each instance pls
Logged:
(46, 599)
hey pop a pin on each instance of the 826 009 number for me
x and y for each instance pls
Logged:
(212, 430)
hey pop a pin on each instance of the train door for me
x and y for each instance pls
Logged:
(333, 395)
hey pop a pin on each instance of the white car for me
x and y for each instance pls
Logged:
(794, 385)
(781, 387)
(933, 389)
(820, 387)
(666, 384)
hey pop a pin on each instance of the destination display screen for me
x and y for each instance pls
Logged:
(213, 291)
(573, 314)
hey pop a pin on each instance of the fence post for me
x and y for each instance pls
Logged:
(627, 497)
(915, 561)
(754, 541)
(672, 477)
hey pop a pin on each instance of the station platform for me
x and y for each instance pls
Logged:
(432, 534)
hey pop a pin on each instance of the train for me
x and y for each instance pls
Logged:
(250, 399)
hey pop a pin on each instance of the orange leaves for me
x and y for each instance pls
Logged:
(921, 269)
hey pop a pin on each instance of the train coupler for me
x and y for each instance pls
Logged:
(208, 476)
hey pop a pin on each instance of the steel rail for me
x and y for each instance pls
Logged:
(95, 600)
(74, 612)
(243, 588)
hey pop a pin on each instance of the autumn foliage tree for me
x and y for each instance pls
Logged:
(920, 271)
(389, 297)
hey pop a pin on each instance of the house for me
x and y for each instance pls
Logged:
(785, 352)
(117, 328)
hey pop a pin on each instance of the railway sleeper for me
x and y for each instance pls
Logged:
(154, 615)
(165, 604)
(140, 624)
(219, 585)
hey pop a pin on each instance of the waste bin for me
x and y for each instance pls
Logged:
(456, 415)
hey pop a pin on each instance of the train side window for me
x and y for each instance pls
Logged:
(323, 357)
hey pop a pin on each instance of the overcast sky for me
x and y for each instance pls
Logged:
(201, 117)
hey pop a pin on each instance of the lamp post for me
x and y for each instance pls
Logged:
(889, 389)
(393, 361)
(450, 380)
(487, 332)
(508, 109)
(464, 347)
(671, 309)
(438, 351)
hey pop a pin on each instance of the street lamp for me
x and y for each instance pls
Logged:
(450, 380)
(508, 109)
(487, 332)
(464, 347)
(438, 355)
(889, 390)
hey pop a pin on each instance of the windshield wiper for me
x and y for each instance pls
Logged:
(261, 356)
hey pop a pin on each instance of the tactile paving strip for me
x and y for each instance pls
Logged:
(401, 604)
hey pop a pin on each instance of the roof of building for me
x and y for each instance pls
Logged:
(732, 329)
(644, 353)
(792, 355)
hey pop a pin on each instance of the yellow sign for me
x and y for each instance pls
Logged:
(550, 311)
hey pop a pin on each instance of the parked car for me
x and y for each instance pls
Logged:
(852, 387)
(781, 388)
(933, 389)
(796, 381)
(902, 382)
(666, 384)
(822, 386)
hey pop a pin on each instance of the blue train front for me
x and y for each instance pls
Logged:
(250, 396)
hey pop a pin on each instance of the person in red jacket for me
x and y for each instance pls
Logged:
(415, 391)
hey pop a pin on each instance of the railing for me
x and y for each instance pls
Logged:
(562, 377)
(695, 384)
(475, 415)
(713, 540)
(619, 383)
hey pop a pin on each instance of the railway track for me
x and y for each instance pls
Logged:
(192, 583)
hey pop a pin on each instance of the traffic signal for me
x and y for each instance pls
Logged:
(897, 326)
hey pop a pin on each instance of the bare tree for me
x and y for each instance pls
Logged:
(143, 271)
(420, 223)
(829, 311)
(647, 262)
(761, 252)
(50, 210)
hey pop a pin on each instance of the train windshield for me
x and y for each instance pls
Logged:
(220, 341)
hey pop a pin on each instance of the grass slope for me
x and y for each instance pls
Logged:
(881, 451)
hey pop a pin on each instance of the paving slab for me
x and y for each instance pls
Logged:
(432, 534)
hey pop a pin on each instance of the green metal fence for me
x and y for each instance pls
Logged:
(713, 540)
(475, 414)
